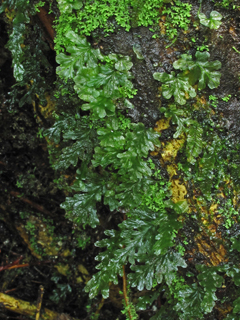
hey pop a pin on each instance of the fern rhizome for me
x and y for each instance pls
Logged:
(113, 162)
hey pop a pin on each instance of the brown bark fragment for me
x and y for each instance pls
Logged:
(47, 21)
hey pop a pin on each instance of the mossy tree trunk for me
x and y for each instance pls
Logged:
(153, 164)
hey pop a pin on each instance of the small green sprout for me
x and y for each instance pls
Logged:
(236, 50)
(227, 98)
(213, 100)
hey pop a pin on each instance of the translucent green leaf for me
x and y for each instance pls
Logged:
(174, 113)
(105, 156)
(209, 301)
(133, 165)
(129, 192)
(128, 104)
(136, 236)
(138, 51)
(71, 154)
(179, 207)
(184, 63)
(16, 39)
(234, 273)
(82, 141)
(142, 277)
(124, 64)
(113, 57)
(111, 136)
(81, 209)
(210, 281)
(100, 107)
(236, 305)
(63, 123)
(67, 6)
(162, 76)
(21, 18)
(105, 78)
(167, 225)
(112, 79)
(110, 194)
(157, 267)
(142, 140)
(168, 265)
(214, 20)
(178, 87)
(207, 165)
(18, 71)
(235, 244)
(211, 78)
(134, 240)
(88, 77)
(85, 93)
(190, 302)
(81, 131)
(147, 299)
(201, 69)
(232, 317)
(100, 283)
(194, 142)
(109, 267)
(67, 66)
(81, 54)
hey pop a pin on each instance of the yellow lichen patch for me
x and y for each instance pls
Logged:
(223, 309)
(162, 124)
(236, 198)
(209, 242)
(154, 153)
(208, 216)
(81, 275)
(213, 207)
(201, 102)
(162, 25)
(232, 32)
(10, 14)
(172, 170)
(46, 242)
(66, 253)
(63, 269)
(214, 254)
(169, 153)
(179, 191)
(84, 273)
(48, 109)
